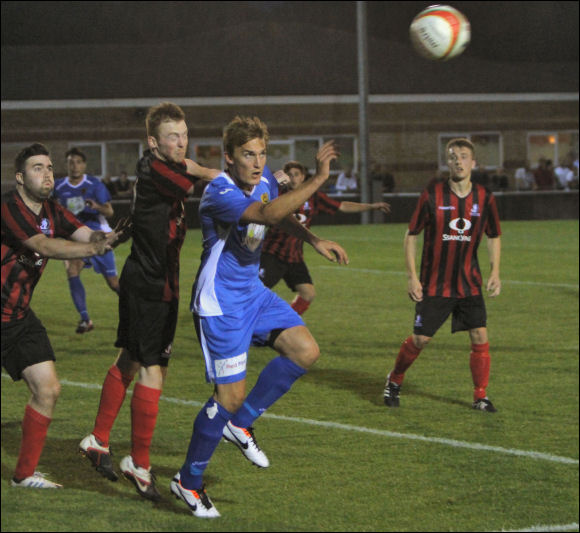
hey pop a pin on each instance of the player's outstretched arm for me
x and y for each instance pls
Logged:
(206, 174)
(64, 249)
(273, 213)
(355, 207)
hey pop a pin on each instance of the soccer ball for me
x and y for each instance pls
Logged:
(440, 33)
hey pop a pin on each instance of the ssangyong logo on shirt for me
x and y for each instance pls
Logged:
(460, 226)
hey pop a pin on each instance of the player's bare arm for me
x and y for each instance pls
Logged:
(274, 212)
(64, 249)
(414, 287)
(355, 207)
(329, 249)
(105, 209)
(493, 282)
(206, 174)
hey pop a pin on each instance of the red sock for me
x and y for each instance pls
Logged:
(112, 397)
(144, 409)
(34, 430)
(407, 354)
(300, 305)
(479, 362)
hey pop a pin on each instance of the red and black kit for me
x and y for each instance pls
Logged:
(453, 228)
(21, 267)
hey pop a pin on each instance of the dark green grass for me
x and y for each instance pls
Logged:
(324, 478)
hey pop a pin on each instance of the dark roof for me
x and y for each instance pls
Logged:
(72, 50)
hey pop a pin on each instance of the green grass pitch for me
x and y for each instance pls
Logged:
(340, 460)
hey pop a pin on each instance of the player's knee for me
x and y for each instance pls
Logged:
(309, 354)
(47, 394)
(307, 292)
(420, 341)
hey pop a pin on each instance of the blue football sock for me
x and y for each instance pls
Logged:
(207, 433)
(274, 381)
(77, 291)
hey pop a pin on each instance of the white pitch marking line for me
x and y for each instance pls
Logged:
(449, 442)
(381, 432)
(397, 273)
(563, 527)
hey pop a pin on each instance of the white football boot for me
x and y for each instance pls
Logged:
(245, 440)
(36, 481)
(197, 500)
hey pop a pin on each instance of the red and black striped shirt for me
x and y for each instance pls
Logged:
(453, 230)
(288, 248)
(21, 267)
(159, 227)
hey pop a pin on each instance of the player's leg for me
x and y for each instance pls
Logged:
(229, 377)
(44, 386)
(105, 265)
(187, 485)
(299, 280)
(74, 267)
(470, 315)
(152, 332)
(430, 314)
(95, 446)
(27, 354)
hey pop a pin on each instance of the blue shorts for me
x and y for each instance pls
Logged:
(102, 264)
(226, 339)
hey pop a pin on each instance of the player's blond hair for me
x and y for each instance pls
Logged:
(242, 130)
(460, 142)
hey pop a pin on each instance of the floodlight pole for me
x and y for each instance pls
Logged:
(363, 93)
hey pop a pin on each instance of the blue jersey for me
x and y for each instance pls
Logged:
(73, 197)
(227, 279)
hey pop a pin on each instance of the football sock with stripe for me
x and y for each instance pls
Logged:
(34, 430)
(207, 433)
(144, 409)
(407, 355)
(300, 305)
(112, 398)
(77, 292)
(274, 381)
(479, 362)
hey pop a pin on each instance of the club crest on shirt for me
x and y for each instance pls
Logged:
(265, 198)
(255, 234)
(45, 226)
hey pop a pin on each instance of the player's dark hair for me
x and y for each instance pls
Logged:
(241, 130)
(29, 151)
(163, 112)
(76, 151)
(299, 166)
(461, 142)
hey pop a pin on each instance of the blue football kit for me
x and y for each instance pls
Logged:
(74, 198)
(232, 307)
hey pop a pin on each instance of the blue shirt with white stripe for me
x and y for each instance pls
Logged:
(227, 278)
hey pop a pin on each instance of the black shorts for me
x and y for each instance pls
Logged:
(146, 328)
(432, 312)
(24, 343)
(272, 270)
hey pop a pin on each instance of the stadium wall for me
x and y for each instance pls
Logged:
(403, 129)
(548, 205)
